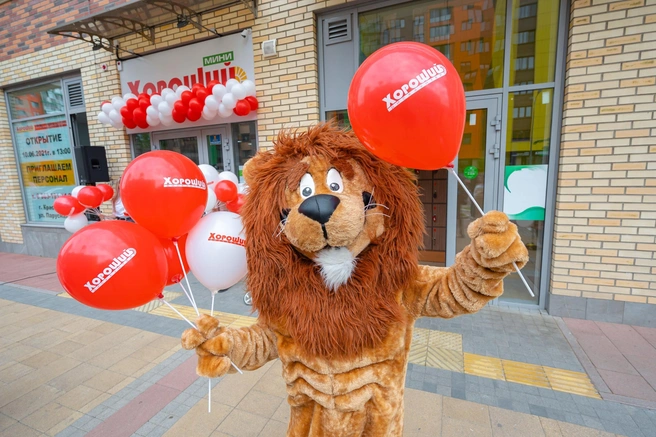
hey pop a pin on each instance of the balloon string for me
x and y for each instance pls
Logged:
(178, 313)
(191, 293)
(188, 297)
(464, 187)
(212, 314)
(209, 395)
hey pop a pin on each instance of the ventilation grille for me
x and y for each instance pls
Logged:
(338, 30)
(75, 97)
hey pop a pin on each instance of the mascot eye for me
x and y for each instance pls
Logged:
(334, 181)
(307, 186)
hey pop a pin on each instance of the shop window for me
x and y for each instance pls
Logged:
(41, 122)
(245, 144)
(140, 144)
(340, 117)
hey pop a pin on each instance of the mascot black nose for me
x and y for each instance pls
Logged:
(319, 208)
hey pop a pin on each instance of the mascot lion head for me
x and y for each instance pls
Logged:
(332, 237)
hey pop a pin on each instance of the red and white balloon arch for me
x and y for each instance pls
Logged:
(179, 105)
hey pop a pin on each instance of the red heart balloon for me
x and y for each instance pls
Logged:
(422, 102)
(175, 273)
(165, 192)
(90, 197)
(126, 113)
(252, 101)
(226, 191)
(67, 205)
(108, 192)
(112, 265)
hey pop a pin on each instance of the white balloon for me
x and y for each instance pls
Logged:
(228, 176)
(230, 83)
(211, 103)
(118, 103)
(114, 115)
(117, 124)
(166, 91)
(152, 121)
(217, 240)
(208, 115)
(107, 108)
(219, 91)
(152, 111)
(238, 91)
(181, 89)
(104, 118)
(171, 98)
(211, 174)
(242, 188)
(75, 222)
(166, 120)
(77, 190)
(224, 112)
(229, 101)
(249, 85)
(129, 96)
(155, 100)
(164, 109)
(211, 201)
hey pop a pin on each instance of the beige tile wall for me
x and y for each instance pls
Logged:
(605, 232)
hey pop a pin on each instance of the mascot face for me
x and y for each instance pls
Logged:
(331, 215)
(332, 236)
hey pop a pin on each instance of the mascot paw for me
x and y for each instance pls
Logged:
(208, 327)
(213, 345)
(496, 242)
(211, 366)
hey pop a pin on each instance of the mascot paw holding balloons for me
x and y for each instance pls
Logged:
(333, 228)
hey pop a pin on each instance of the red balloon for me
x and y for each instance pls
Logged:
(143, 96)
(67, 205)
(235, 205)
(165, 192)
(175, 274)
(144, 103)
(195, 105)
(186, 96)
(202, 93)
(180, 107)
(132, 104)
(211, 84)
(193, 115)
(139, 114)
(252, 101)
(90, 197)
(108, 192)
(423, 102)
(129, 123)
(226, 191)
(112, 265)
(195, 87)
(143, 124)
(126, 113)
(179, 116)
(242, 108)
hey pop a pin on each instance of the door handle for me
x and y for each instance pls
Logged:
(494, 150)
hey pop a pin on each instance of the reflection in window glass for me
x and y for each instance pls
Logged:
(525, 181)
(188, 146)
(33, 102)
(339, 117)
(243, 135)
(140, 144)
(533, 45)
(476, 27)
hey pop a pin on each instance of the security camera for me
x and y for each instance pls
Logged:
(246, 32)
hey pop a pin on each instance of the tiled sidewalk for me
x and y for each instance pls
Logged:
(159, 394)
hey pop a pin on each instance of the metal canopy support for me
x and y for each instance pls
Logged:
(82, 32)
(135, 26)
(252, 5)
(180, 10)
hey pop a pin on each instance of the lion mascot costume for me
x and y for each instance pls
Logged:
(332, 240)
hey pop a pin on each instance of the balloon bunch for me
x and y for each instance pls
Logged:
(181, 104)
(116, 264)
(224, 188)
(81, 199)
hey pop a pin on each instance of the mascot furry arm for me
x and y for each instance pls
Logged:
(332, 248)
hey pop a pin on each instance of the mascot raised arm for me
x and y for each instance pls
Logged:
(332, 240)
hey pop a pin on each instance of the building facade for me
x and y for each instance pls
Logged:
(559, 131)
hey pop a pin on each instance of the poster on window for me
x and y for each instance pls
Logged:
(525, 192)
(45, 156)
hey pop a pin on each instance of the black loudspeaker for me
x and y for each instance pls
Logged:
(91, 164)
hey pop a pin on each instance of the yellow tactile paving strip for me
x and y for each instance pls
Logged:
(438, 349)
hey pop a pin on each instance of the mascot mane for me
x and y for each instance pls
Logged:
(287, 288)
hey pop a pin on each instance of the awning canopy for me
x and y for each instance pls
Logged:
(142, 16)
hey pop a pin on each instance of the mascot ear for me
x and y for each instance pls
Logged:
(253, 165)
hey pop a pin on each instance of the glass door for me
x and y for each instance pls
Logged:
(219, 148)
(186, 142)
(478, 167)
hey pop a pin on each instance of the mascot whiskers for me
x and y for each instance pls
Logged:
(332, 239)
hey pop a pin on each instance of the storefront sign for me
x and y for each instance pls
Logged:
(46, 161)
(229, 57)
(525, 192)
